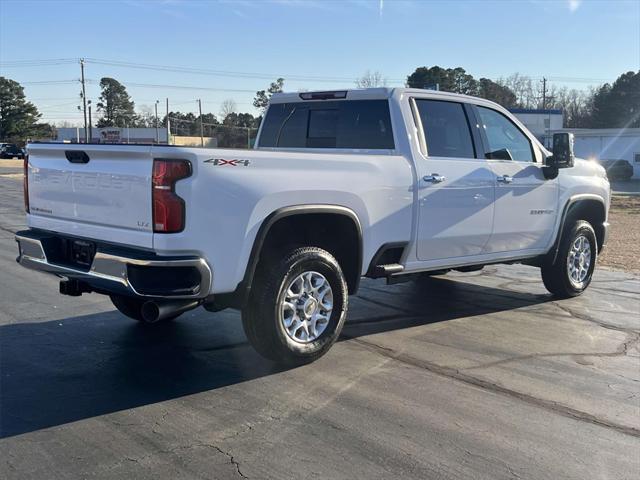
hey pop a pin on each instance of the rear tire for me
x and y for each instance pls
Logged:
(572, 271)
(132, 308)
(297, 306)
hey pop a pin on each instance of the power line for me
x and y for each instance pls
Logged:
(49, 107)
(189, 102)
(222, 73)
(578, 79)
(45, 99)
(37, 63)
(239, 74)
(185, 87)
(262, 75)
(50, 82)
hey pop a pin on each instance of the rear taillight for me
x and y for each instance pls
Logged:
(25, 182)
(168, 207)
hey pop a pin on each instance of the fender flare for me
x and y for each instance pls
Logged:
(565, 212)
(243, 289)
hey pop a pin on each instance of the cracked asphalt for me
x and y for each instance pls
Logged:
(479, 375)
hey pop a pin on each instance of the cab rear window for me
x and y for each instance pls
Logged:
(348, 124)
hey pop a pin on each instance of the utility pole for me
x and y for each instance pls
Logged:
(84, 101)
(544, 93)
(167, 124)
(90, 124)
(201, 124)
(157, 131)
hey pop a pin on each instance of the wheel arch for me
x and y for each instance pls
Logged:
(589, 207)
(352, 269)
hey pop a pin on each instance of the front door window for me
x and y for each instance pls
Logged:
(506, 140)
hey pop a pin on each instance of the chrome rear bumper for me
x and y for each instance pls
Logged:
(111, 271)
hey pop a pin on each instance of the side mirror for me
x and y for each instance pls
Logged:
(563, 156)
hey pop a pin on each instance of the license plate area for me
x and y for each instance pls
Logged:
(81, 253)
(69, 252)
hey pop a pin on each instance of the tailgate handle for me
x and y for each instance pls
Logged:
(76, 156)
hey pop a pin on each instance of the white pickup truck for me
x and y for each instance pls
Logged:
(342, 184)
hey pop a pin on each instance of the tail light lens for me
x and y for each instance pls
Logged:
(25, 182)
(168, 207)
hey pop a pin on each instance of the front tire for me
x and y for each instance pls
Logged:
(297, 306)
(572, 271)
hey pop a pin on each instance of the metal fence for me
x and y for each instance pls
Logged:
(226, 136)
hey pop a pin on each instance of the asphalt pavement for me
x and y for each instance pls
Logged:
(479, 376)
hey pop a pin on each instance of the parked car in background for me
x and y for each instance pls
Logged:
(10, 150)
(618, 169)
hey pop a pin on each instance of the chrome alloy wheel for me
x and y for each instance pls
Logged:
(579, 261)
(306, 308)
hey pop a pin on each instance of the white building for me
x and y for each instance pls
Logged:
(606, 144)
(596, 144)
(113, 135)
(539, 122)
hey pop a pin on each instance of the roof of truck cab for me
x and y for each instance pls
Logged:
(351, 94)
(378, 93)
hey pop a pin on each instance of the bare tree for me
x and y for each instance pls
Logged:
(227, 107)
(528, 93)
(576, 105)
(371, 79)
(145, 119)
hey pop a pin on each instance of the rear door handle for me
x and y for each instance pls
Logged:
(434, 178)
(505, 179)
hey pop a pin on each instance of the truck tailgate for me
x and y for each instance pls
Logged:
(92, 191)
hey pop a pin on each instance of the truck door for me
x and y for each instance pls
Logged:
(455, 185)
(526, 203)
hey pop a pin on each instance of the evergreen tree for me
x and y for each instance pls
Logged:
(618, 105)
(115, 104)
(18, 117)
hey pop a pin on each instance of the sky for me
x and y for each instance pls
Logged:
(228, 49)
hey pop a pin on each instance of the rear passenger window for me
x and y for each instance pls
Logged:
(354, 124)
(506, 141)
(446, 129)
(365, 124)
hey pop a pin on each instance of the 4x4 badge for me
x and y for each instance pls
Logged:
(220, 162)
